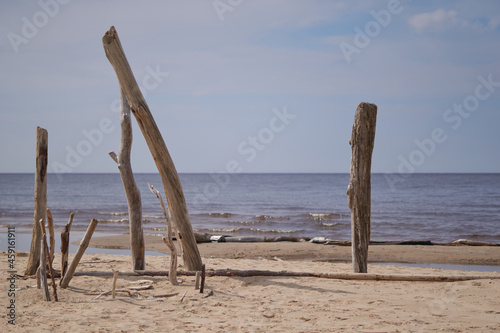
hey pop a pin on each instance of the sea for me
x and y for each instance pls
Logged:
(436, 207)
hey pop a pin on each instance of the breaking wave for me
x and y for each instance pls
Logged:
(224, 215)
(325, 216)
(270, 217)
(113, 213)
(274, 231)
(113, 220)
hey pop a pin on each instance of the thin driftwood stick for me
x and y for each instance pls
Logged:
(38, 281)
(40, 198)
(115, 277)
(130, 187)
(359, 189)
(52, 241)
(171, 182)
(338, 276)
(142, 281)
(104, 293)
(202, 284)
(183, 296)
(166, 295)
(168, 240)
(134, 299)
(79, 253)
(197, 281)
(173, 260)
(65, 245)
(49, 260)
(43, 262)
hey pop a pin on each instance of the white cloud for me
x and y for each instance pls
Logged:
(438, 20)
(494, 22)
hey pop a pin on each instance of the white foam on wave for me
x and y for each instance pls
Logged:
(113, 213)
(275, 231)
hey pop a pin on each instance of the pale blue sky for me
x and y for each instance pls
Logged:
(234, 65)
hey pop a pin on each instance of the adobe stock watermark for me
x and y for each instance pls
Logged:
(224, 6)
(454, 118)
(95, 136)
(372, 29)
(32, 26)
(12, 271)
(248, 150)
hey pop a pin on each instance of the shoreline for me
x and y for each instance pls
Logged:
(306, 251)
(118, 244)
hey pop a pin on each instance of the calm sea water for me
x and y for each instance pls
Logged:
(436, 207)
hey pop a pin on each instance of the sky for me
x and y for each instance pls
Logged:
(254, 85)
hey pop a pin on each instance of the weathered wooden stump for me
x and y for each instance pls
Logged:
(359, 189)
(40, 199)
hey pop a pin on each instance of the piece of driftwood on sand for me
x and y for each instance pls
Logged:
(468, 242)
(40, 199)
(262, 239)
(327, 241)
(130, 187)
(79, 253)
(171, 182)
(335, 276)
(113, 292)
(65, 244)
(459, 242)
(359, 189)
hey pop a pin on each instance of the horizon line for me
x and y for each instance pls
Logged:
(270, 172)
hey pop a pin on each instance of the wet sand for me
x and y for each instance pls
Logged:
(430, 254)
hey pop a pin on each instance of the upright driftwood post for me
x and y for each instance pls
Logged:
(171, 182)
(131, 190)
(65, 245)
(359, 189)
(79, 253)
(40, 199)
(115, 276)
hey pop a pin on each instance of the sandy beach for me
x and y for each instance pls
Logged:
(266, 304)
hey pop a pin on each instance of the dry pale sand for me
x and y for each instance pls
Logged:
(261, 304)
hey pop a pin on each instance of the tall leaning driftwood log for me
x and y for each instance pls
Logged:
(171, 182)
(40, 199)
(359, 189)
(131, 190)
